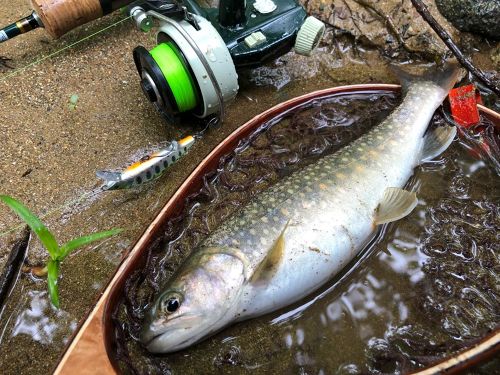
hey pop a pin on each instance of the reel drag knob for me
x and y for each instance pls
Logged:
(309, 36)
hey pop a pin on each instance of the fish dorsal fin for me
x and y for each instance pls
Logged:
(437, 141)
(269, 265)
(396, 204)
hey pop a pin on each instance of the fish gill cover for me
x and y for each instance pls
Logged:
(429, 288)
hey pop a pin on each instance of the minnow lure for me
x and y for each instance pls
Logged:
(148, 168)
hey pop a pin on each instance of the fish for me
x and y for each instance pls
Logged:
(148, 168)
(299, 233)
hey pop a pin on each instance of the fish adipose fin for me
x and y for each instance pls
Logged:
(269, 265)
(437, 141)
(396, 204)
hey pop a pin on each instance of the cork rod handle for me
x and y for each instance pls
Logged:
(61, 16)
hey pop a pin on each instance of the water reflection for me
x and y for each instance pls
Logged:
(38, 322)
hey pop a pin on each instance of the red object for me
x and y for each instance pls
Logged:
(463, 103)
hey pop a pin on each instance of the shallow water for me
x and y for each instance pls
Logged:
(426, 286)
(50, 153)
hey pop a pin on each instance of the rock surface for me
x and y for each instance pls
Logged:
(391, 26)
(475, 16)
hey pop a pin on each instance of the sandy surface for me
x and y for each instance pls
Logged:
(50, 154)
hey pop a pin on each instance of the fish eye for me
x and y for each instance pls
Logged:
(171, 303)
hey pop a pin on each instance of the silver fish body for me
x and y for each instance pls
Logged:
(298, 234)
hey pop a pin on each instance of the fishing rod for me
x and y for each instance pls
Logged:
(59, 17)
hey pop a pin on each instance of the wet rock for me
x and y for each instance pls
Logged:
(475, 16)
(392, 26)
(495, 56)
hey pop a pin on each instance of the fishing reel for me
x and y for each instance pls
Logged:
(193, 68)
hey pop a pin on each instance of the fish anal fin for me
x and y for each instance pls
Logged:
(396, 204)
(437, 141)
(269, 265)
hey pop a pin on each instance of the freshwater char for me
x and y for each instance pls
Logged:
(298, 234)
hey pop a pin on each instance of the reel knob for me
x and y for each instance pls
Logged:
(309, 36)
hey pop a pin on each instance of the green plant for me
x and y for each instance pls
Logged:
(57, 253)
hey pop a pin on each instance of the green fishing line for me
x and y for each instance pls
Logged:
(176, 74)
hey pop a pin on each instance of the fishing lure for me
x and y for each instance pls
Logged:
(148, 168)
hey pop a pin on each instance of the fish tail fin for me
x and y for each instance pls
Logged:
(109, 176)
(444, 76)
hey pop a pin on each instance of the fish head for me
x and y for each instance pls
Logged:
(200, 299)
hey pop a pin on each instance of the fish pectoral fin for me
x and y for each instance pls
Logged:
(437, 141)
(396, 204)
(269, 265)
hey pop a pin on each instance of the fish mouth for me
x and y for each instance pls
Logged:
(154, 345)
(151, 335)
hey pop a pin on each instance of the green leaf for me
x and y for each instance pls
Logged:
(82, 241)
(52, 275)
(47, 238)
